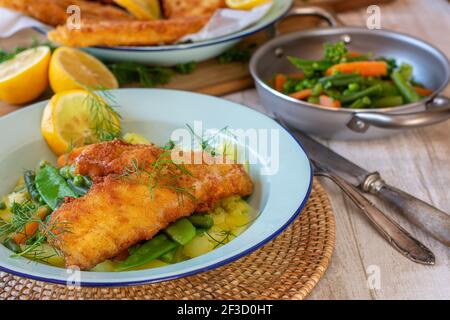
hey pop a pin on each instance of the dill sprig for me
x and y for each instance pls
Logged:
(147, 76)
(105, 120)
(210, 144)
(24, 214)
(227, 234)
(7, 55)
(163, 173)
(237, 54)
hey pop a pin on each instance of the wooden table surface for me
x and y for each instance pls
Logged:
(417, 161)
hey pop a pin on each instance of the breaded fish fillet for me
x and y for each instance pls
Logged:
(127, 33)
(54, 12)
(122, 210)
(188, 8)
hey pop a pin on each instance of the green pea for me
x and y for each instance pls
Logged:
(43, 163)
(353, 87)
(78, 181)
(65, 172)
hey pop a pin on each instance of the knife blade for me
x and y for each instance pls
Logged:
(422, 214)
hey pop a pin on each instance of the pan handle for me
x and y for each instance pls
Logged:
(437, 110)
(313, 11)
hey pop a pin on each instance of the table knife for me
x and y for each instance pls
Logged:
(422, 214)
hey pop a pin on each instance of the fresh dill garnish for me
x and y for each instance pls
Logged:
(209, 144)
(237, 54)
(147, 76)
(169, 145)
(24, 214)
(163, 173)
(7, 55)
(105, 120)
(227, 234)
(129, 72)
(185, 68)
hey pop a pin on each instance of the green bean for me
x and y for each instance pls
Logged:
(406, 90)
(340, 80)
(79, 190)
(2, 205)
(370, 91)
(182, 231)
(147, 252)
(87, 181)
(29, 178)
(12, 245)
(386, 102)
(204, 221)
(361, 103)
(319, 65)
(52, 186)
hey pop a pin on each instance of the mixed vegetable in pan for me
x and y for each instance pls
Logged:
(351, 80)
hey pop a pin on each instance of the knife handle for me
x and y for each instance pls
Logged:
(398, 237)
(422, 214)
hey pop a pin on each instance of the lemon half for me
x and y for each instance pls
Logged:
(142, 9)
(245, 4)
(74, 69)
(25, 77)
(67, 121)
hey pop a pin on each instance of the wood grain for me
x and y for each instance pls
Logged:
(416, 161)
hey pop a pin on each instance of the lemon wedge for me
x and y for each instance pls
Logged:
(74, 118)
(245, 4)
(74, 69)
(24, 77)
(142, 9)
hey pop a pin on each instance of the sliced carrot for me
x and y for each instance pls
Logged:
(353, 54)
(296, 75)
(69, 158)
(280, 80)
(364, 68)
(327, 101)
(302, 94)
(30, 228)
(423, 91)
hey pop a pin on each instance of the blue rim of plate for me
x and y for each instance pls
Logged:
(236, 36)
(200, 270)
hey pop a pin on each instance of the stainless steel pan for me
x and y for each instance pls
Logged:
(431, 67)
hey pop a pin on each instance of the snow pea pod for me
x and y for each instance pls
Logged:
(147, 252)
(203, 221)
(52, 186)
(182, 231)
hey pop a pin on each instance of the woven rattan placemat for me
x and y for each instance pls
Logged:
(286, 268)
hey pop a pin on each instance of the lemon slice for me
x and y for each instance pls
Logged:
(142, 9)
(24, 77)
(74, 69)
(245, 4)
(73, 119)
